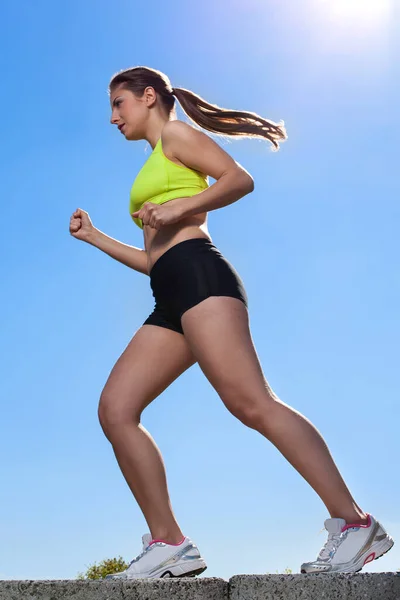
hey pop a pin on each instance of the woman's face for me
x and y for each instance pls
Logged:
(128, 112)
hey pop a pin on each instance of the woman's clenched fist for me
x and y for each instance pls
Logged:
(80, 225)
(157, 216)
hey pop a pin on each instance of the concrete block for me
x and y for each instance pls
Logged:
(185, 588)
(366, 586)
(374, 586)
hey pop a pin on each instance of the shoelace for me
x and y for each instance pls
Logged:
(147, 549)
(331, 545)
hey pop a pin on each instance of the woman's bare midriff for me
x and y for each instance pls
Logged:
(158, 241)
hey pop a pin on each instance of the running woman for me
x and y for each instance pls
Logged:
(201, 316)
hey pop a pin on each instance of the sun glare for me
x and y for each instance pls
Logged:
(361, 12)
(352, 26)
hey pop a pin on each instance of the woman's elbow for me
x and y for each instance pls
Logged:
(247, 182)
(251, 184)
(242, 181)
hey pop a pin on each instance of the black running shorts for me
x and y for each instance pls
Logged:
(187, 274)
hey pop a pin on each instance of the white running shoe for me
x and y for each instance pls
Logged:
(350, 547)
(160, 559)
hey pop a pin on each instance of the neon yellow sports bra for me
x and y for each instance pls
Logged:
(160, 180)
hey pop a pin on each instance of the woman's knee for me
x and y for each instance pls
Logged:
(114, 413)
(251, 409)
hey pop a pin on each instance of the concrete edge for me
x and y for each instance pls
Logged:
(355, 586)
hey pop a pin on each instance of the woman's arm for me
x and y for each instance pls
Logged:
(132, 257)
(198, 151)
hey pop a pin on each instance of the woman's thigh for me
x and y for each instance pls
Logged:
(217, 331)
(153, 359)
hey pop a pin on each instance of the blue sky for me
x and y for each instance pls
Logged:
(316, 244)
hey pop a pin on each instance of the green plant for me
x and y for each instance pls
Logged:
(287, 571)
(108, 566)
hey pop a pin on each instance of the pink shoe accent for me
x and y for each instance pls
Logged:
(369, 558)
(164, 542)
(358, 524)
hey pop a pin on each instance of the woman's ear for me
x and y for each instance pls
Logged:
(149, 95)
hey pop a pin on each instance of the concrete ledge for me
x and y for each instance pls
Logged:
(366, 586)
(187, 588)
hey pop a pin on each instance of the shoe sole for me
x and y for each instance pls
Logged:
(193, 573)
(199, 566)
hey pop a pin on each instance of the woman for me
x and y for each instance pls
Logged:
(200, 315)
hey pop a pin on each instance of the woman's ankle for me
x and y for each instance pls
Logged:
(168, 537)
(351, 518)
(361, 519)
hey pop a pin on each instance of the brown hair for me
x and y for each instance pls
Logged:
(208, 116)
